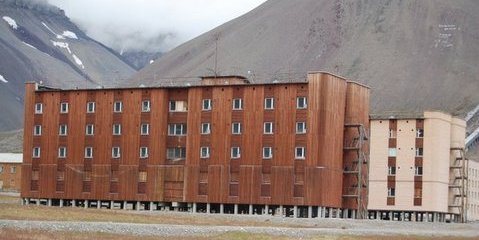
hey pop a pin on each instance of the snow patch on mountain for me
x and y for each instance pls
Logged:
(28, 45)
(10, 22)
(69, 34)
(62, 45)
(3, 79)
(78, 61)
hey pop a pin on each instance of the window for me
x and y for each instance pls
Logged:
(115, 152)
(418, 171)
(392, 133)
(145, 106)
(419, 133)
(90, 130)
(235, 152)
(391, 171)
(116, 129)
(269, 103)
(143, 152)
(176, 153)
(419, 152)
(63, 107)
(177, 129)
(301, 103)
(178, 106)
(237, 104)
(268, 128)
(62, 152)
(38, 108)
(37, 130)
(88, 152)
(36, 152)
(206, 104)
(13, 169)
(391, 192)
(300, 127)
(267, 152)
(145, 129)
(142, 177)
(204, 152)
(300, 153)
(118, 107)
(392, 152)
(236, 128)
(63, 130)
(205, 128)
(90, 107)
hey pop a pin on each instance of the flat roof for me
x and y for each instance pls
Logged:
(11, 157)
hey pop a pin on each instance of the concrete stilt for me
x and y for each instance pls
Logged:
(281, 211)
(125, 205)
(98, 204)
(137, 207)
(112, 204)
(330, 212)
(208, 208)
(250, 210)
(266, 209)
(295, 211)
(345, 213)
(222, 208)
(85, 204)
(310, 212)
(61, 202)
(236, 209)
(49, 202)
(353, 214)
(38, 202)
(74, 203)
(194, 208)
(151, 206)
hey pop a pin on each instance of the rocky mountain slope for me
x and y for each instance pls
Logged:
(39, 43)
(415, 54)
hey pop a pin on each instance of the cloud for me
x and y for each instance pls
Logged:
(151, 25)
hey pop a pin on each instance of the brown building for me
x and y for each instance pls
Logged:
(225, 145)
(10, 172)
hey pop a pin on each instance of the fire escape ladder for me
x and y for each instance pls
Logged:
(458, 182)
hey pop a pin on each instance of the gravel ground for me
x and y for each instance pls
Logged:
(323, 227)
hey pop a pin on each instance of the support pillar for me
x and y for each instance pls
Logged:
(353, 214)
(236, 209)
(345, 213)
(295, 211)
(330, 211)
(38, 202)
(310, 212)
(49, 202)
(250, 210)
(125, 205)
(266, 209)
(208, 208)
(338, 213)
(74, 203)
(222, 208)
(112, 204)
(61, 202)
(281, 211)
(98, 204)
(151, 206)
(194, 208)
(85, 204)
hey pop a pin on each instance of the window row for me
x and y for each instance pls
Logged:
(176, 129)
(174, 106)
(419, 133)
(90, 107)
(13, 169)
(173, 153)
(393, 152)
(392, 171)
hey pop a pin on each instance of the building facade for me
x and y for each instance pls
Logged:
(10, 172)
(473, 191)
(418, 169)
(223, 146)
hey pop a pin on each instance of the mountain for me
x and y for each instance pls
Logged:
(39, 43)
(139, 58)
(415, 54)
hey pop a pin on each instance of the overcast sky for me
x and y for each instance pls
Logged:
(151, 24)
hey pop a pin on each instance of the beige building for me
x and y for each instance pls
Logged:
(10, 172)
(473, 191)
(417, 168)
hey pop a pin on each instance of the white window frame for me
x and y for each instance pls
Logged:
(62, 154)
(416, 171)
(392, 152)
(38, 108)
(145, 106)
(208, 128)
(267, 150)
(90, 151)
(36, 152)
(233, 128)
(240, 103)
(37, 130)
(266, 107)
(207, 103)
(419, 153)
(64, 107)
(90, 105)
(181, 149)
(271, 126)
(419, 132)
(391, 192)
(392, 133)
(204, 152)
(298, 102)
(115, 152)
(118, 106)
(391, 171)
(142, 127)
(304, 128)
(143, 152)
(115, 133)
(89, 126)
(302, 155)
(237, 150)
(177, 105)
(13, 169)
(175, 126)
(63, 130)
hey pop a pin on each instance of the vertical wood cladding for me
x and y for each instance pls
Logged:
(250, 179)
